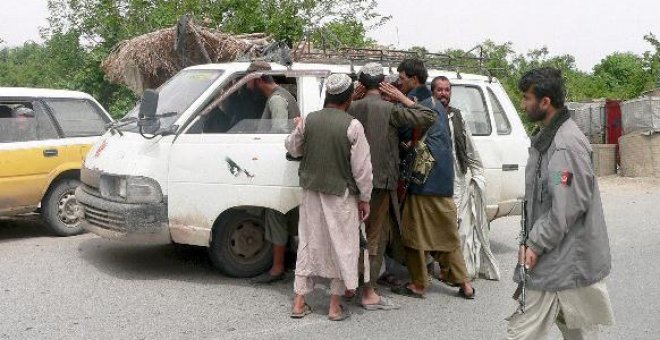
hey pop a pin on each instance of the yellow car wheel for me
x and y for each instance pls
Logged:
(60, 209)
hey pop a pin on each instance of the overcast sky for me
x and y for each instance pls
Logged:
(587, 29)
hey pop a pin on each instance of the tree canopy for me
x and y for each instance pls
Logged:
(81, 33)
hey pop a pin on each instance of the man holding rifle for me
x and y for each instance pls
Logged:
(564, 252)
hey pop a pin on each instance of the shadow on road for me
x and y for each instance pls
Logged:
(502, 248)
(169, 262)
(22, 227)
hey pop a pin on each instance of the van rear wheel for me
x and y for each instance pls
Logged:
(238, 246)
(60, 210)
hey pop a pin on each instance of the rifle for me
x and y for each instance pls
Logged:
(521, 269)
(405, 168)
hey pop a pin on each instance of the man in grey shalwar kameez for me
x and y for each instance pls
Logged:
(469, 190)
(336, 177)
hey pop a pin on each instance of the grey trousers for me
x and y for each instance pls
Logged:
(276, 228)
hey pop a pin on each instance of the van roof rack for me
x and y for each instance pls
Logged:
(305, 52)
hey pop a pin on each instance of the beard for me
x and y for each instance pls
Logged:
(444, 100)
(536, 115)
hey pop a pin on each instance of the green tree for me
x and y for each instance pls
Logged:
(624, 75)
(652, 59)
(93, 27)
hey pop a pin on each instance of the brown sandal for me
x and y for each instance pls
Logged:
(342, 316)
(306, 311)
(389, 280)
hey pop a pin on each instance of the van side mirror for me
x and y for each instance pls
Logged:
(148, 108)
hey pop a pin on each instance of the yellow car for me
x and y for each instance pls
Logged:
(44, 137)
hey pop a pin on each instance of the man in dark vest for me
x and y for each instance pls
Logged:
(429, 223)
(335, 174)
(382, 120)
(281, 108)
(469, 191)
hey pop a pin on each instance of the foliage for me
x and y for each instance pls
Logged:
(81, 33)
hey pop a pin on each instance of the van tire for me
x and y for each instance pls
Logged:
(238, 246)
(59, 208)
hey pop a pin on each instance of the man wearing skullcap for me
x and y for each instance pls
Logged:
(335, 174)
(280, 108)
(382, 120)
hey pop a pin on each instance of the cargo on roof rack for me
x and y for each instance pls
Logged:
(306, 53)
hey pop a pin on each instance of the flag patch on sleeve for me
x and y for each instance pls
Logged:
(564, 178)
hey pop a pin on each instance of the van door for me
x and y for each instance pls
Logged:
(30, 148)
(224, 159)
(512, 146)
(471, 100)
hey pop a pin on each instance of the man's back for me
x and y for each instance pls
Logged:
(374, 114)
(281, 107)
(326, 161)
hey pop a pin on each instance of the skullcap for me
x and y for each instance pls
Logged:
(372, 69)
(338, 83)
(392, 78)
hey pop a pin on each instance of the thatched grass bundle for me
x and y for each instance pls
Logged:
(147, 61)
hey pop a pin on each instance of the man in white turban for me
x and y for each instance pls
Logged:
(335, 174)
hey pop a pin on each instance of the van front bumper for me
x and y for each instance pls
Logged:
(136, 223)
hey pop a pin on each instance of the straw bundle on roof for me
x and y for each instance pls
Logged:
(147, 61)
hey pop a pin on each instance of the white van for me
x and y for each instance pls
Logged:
(201, 173)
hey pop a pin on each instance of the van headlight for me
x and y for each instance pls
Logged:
(130, 189)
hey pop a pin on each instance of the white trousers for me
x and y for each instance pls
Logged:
(577, 312)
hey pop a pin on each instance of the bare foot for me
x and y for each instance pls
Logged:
(369, 296)
(298, 304)
(336, 310)
(467, 288)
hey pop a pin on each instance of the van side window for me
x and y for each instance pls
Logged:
(472, 103)
(24, 121)
(248, 111)
(77, 117)
(501, 122)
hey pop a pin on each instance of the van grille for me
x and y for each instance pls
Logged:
(103, 218)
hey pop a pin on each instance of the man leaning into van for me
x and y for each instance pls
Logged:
(281, 107)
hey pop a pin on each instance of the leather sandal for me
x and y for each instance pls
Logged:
(406, 291)
(306, 311)
(342, 316)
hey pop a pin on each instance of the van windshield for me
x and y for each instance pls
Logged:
(176, 96)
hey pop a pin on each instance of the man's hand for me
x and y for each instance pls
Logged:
(530, 258)
(364, 209)
(297, 121)
(359, 92)
(394, 93)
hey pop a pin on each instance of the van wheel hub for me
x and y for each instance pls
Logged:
(247, 240)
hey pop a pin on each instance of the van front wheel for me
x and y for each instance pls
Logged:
(60, 210)
(238, 247)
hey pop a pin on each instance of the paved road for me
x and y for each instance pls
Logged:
(86, 287)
